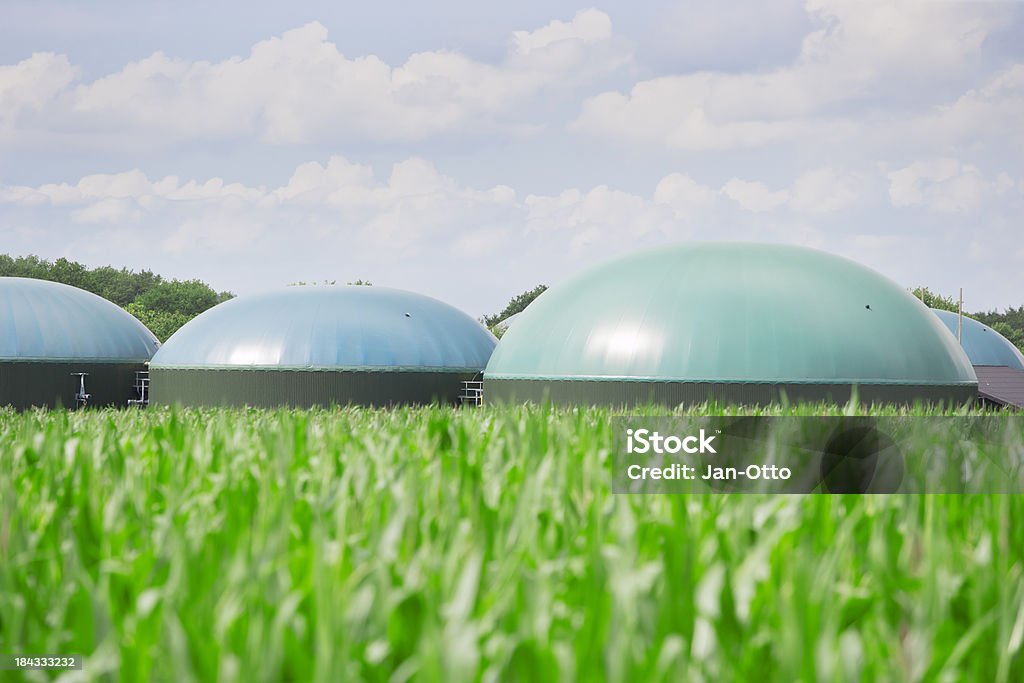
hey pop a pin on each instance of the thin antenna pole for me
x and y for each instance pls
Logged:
(960, 319)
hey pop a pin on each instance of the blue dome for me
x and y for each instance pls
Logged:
(48, 321)
(983, 345)
(331, 328)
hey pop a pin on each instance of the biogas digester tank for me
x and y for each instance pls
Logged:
(732, 322)
(307, 346)
(50, 330)
(983, 345)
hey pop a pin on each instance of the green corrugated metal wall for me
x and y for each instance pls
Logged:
(302, 388)
(24, 384)
(615, 393)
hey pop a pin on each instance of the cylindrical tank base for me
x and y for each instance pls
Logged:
(269, 388)
(51, 384)
(672, 393)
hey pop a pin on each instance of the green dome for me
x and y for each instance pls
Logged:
(727, 320)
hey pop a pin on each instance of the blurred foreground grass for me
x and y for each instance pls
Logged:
(437, 544)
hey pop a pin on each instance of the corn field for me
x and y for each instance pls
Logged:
(436, 544)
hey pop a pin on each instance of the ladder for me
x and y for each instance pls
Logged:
(141, 387)
(472, 393)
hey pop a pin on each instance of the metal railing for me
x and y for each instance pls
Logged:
(472, 393)
(141, 387)
(81, 396)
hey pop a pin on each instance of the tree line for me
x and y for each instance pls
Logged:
(165, 305)
(516, 305)
(162, 305)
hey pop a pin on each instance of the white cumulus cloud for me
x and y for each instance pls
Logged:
(754, 195)
(28, 87)
(299, 87)
(863, 56)
(412, 225)
(947, 185)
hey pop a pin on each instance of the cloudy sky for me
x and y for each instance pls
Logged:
(470, 151)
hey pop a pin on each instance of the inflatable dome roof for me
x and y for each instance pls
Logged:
(48, 321)
(330, 328)
(983, 345)
(729, 313)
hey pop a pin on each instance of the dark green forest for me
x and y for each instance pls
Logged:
(162, 305)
